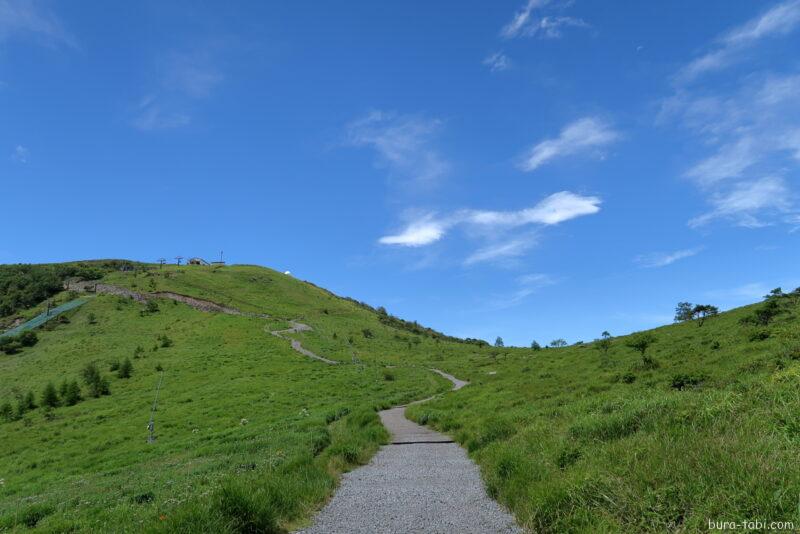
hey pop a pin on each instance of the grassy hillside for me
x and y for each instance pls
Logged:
(706, 428)
(251, 436)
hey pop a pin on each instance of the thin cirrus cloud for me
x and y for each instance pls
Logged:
(494, 225)
(498, 62)
(527, 23)
(745, 203)
(583, 135)
(184, 79)
(404, 144)
(662, 259)
(21, 18)
(779, 20)
(751, 128)
(20, 154)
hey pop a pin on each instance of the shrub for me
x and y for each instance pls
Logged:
(10, 345)
(28, 401)
(715, 345)
(567, 457)
(91, 318)
(50, 396)
(641, 342)
(629, 378)
(114, 365)
(388, 375)
(138, 352)
(6, 412)
(682, 381)
(367, 333)
(33, 514)
(28, 338)
(151, 307)
(164, 341)
(72, 396)
(125, 369)
(98, 385)
(759, 334)
(159, 368)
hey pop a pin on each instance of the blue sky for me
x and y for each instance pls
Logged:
(532, 170)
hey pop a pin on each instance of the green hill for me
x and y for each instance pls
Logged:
(251, 435)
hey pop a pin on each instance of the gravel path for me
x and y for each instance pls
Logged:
(422, 482)
(296, 345)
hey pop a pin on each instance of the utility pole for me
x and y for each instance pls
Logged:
(161, 262)
(220, 256)
(178, 259)
(151, 426)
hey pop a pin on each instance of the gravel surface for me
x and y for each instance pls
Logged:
(423, 482)
(300, 327)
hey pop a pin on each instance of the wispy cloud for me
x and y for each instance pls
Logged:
(184, 79)
(527, 285)
(498, 62)
(582, 135)
(20, 18)
(495, 228)
(404, 144)
(514, 248)
(556, 208)
(20, 154)
(662, 259)
(528, 23)
(746, 201)
(751, 127)
(191, 73)
(781, 19)
(152, 116)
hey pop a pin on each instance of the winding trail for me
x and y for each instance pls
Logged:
(421, 482)
(201, 305)
(296, 327)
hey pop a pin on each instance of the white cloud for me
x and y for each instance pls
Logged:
(779, 20)
(20, 17)
(20, 154)
(494, 226)
(730, 161)
(404, 143)
(746, 200)
(527, 285)
(556, 208)
(510, 249)
(191, 73)
(662, 259)
(581, 135)
(151, 116)
(498, 62)
(525, 23)
(417, 234)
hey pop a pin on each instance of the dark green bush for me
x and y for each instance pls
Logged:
(125, 369)
(683, 381)
(50, 396)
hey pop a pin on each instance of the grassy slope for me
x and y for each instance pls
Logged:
(560, 437)
(569, 446)
(91, 468)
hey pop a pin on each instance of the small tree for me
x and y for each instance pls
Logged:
(775, 293)
(558, 343)
(28, 338)
(535, 345)
(704, 311)
(73, 394)
(29, 401)
(499, 342)
(125, 369)
(151, 306)
(604, 343)
(92, 318)
(641, 342)
(6, 412)
(97, 384)
(50, 396)
(684, 311)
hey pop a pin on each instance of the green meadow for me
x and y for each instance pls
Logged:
(252, 436)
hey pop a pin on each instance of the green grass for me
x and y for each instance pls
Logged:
(253, 436)
(237, 407)
(569, 446)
